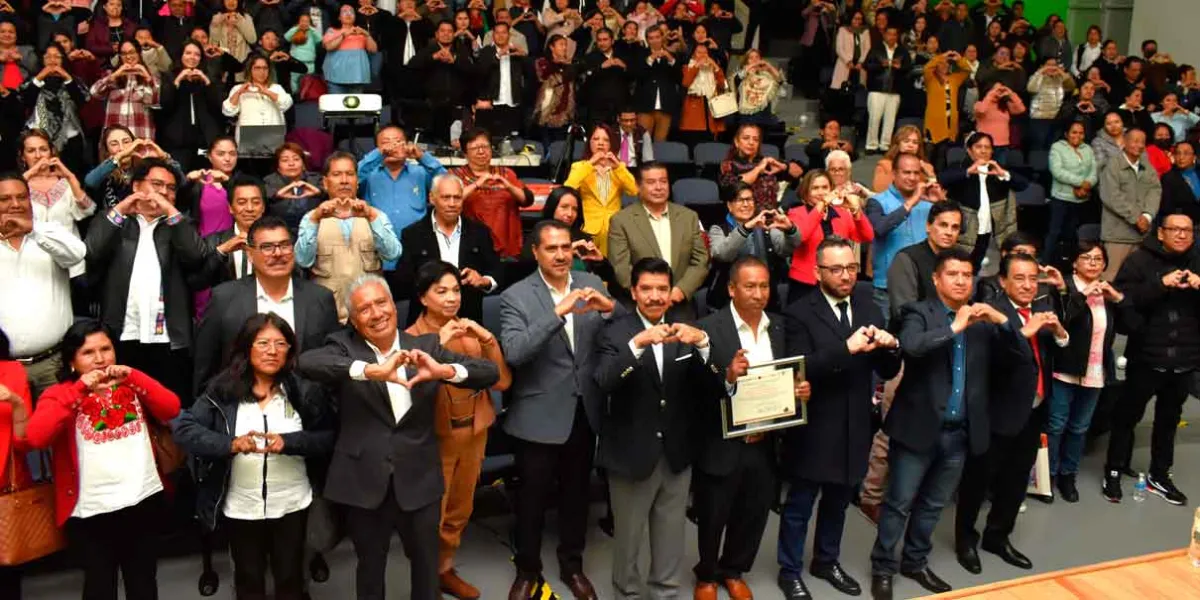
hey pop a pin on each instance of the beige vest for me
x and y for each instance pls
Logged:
(339, 262)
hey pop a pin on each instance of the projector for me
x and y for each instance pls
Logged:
(350, 105)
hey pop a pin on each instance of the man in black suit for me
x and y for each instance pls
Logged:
(608, 79)
(449, 236)
(270, 287)
(503, 69)
(659, 75)
(446, 74)
(940, 414)
(1017, 414)
(735, 478)
(841, 333)
(230, 260)
(649, 369)
(407, 34)
(386, 468)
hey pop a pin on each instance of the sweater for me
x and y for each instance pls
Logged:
(1070, 168)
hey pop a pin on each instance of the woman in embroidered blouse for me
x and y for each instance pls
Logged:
(130, 92)
(233, 30)
(261, 436)
(108, 486)
(108, 182)
(493, 196)
(259, 100)
(1083, 367)
(347, 68)
(757, 84)
(822, 214)
(601, 179)
(54, 98)
(745, 163)
(52, 185)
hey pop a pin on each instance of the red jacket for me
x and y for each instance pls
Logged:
(804, 259)
(52, 426)
(12, 376)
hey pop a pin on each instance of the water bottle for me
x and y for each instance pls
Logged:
(1139, 488)
(1194, 547)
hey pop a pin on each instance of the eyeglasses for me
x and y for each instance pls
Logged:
(268, 345)
(1091, 259)
(274, 247)
(479, 147)
(161, 186)
(743, 200)
(1177, 230)
(839, 270)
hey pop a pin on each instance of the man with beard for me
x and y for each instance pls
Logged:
(344, 237)
(393, 184)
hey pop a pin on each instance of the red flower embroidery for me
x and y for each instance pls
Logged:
(111, 414)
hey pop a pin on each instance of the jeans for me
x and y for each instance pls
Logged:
(1064, 230)
(1071, 408)
(793, 524)
(1042, 133)
(919, 485)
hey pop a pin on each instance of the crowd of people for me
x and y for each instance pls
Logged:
(319, 349)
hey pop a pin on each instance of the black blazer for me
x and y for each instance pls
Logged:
(964, 188)
(1011, 399)
(487, 65)
(661, 79)
(646, 414)
(1077, 319)
(716, 455)
(475, 251)
(234, 302)
(190, 114)
(608, 86)
(881, 77)
(1177, 195)
(373, 451)
(839, 412)
(927, 345)
(445, 83)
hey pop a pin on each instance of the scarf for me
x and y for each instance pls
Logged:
(55, 112)
(705, 83)
(759, 89)
(556, 97)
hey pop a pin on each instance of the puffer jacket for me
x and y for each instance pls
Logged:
(1163, 323)
(1048, 93)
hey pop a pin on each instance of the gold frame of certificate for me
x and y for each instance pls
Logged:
(765, 399)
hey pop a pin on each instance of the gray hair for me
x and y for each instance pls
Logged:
(438, 180)
(836, 155)
(363, 281)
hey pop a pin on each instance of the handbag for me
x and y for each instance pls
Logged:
(1039, 476)
(28, 528)
(312, 87)
(723, 105)
(167, 455)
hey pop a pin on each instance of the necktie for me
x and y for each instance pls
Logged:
(624, 148)
(1037, 356)
(844, 314)
(245, 265)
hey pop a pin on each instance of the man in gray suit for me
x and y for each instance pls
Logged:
(548, 322)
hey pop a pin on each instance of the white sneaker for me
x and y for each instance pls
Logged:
(1121, 362)
(1023, 508)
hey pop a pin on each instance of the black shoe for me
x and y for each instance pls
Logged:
(318, 569)
(968, 557)
(794, 589)
(1046, 499)
(881, 587)
(209, 583)
(928, 580)
(1066, 487)
(1164, 487)
(1112, 486)
(1007, 553)
(837, 577)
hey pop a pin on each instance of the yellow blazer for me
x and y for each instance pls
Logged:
(598, 210)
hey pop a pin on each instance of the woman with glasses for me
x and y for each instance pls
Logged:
(493, 196)
(823, 213)
(746, 231)
(261, 436)
(258, 102)
(130, 92)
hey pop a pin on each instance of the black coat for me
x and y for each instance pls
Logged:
(444, 83)
(964, 188)
(475, 251)
(927, 344)
(716, 455)
(608, 87)
(488, 77)
(881, 77)
(1077, 319)
(190, 113)
(835, 444)
(373, 451)
(661, 79)
(1015, 384)
(400, 79)
(234, 302)
(1177, 196)
(647, 414)
(1163, 323)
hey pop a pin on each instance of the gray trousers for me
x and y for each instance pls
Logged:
(660, 502)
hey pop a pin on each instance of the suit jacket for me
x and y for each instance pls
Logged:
(373, 451)
(487, 84)
(446, 83)
(233, 302)
(608, 87)
(647, 413)
(927, 344)
(549, 377)
(220, 268)
(630, 239)
(716, 455)
(400, 79)
(1013, 390)
(475, 251)
(839, 412)
(660, 80)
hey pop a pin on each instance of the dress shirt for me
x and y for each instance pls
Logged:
(661, 227)
(557, 296)
(36, 318)
(398, 395)
(285, 307)
(757, 344)
(145, 312)
(450, 247)
(241, 262)
(387, 245)
(256, 109)
(958, 379)
(703, 348)
(504, 96)
(1061, 342)
(267, 486)
(985, 202)
(837, 312)
(402, 198)
(410, 50)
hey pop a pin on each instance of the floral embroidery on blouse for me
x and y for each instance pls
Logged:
(112, 414)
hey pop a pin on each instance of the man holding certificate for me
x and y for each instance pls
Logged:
(651, 370)
(840, 332)
(735, 480)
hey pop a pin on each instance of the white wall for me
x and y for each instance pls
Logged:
(1172, 23)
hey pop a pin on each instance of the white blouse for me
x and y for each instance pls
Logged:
(255, 108)
(267, 486)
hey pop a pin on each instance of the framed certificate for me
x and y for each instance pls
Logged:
(764, 399)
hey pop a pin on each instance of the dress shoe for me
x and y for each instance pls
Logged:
(1004, 549)
(968, 557)
(581, 586)
(794, 588)
(881, 587)
(928, 580)
(738, 590)
(837, 577)
(522, 587)
(1066, 487)
(454, 585)
(705, 590)
(871, 512)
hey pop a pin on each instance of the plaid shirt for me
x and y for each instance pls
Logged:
(129, 104)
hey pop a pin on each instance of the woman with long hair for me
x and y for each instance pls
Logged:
(52, 186)
(563, 205)
(853, 43)
(54, 98)
(601, 179)
(556, 73)
(259, 100)
(757, 83)
(745, 163)
(942, 114)
(347, 66)
(820, 215)
(703, 79)
(1074, 173)
(261, 436)
(130, 92)
(906, 140)
(108, 182)
(232, 30)
(994, 113)
(191, 107)
(108, 485)
(108, 29)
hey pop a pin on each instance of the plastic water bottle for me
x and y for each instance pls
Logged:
(1139, 488)
(1194, 546)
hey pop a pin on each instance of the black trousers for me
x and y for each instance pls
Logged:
(1142, 383)
(734, 507)
(172, 368)
(982, 242)
(538, 466)
(124, 540)
(10, 583)
(500, 121)
(371, 532)
(1003, 469)
(275, 544)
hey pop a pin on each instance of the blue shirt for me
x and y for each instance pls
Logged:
(387, 244)
(1193, 181)
(955, 411)
(403, 198)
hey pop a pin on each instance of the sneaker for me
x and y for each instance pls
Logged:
(1024, 507)
(1112, 486)
(1164, 487)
